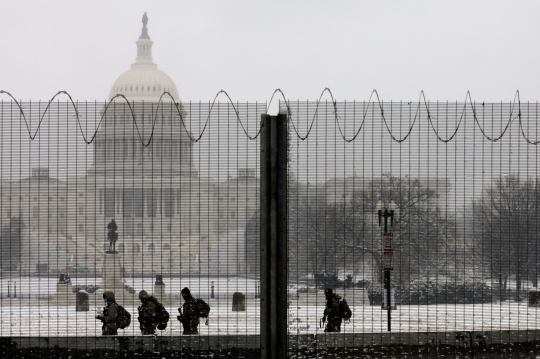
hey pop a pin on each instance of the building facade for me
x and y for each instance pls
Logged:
(171, 220)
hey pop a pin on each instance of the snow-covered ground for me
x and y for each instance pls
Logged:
(224, 287)
(34, 317)
(19, 318)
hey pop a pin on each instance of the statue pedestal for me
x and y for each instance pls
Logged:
(112, 281)
(64, 294)
(111, 273)
(159, 293)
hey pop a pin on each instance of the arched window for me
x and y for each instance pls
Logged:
(166, 247)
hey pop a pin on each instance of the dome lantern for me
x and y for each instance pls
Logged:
(143, 81)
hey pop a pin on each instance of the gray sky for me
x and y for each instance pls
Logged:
(250, 48)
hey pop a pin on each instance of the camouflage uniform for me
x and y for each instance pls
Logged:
(148, 313)
(110, 312)
(331, 312)
(190, 314)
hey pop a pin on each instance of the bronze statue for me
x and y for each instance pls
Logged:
(112, 236)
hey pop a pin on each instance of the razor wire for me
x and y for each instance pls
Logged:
(374, 100)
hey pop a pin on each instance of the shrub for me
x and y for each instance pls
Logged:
(428, 292)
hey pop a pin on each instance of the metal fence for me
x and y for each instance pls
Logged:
(457, 185)
(428, 207)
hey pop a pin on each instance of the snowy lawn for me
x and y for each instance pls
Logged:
(29, 316)
(224, 287)
(44, 318)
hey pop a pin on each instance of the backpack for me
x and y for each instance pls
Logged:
(203, 309)
(344, 310)
(162, 316)
(123, 319)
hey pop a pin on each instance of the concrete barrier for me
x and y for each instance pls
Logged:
(534, 298)
(239, 302)
(83, 302)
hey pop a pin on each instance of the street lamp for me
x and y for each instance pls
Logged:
(388, 252)
(388, 213)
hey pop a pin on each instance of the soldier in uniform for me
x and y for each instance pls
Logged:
(110, 312)
(332, 313)
(148, 313)
(189, 316)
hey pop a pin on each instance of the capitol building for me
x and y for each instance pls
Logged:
(170, 220)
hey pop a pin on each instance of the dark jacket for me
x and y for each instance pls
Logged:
(332, 305)
(189, 308)
(190, 315)
(148, 311)
(332, 313)
(109, 314)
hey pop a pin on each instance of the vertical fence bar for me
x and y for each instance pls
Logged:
(282, 235)
(273, 174)
(265, 193)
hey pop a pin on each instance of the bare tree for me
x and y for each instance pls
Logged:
(506, 225)
(339, 233)
(11, 244)
(423, 232)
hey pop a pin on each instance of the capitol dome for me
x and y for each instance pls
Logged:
(143, 81)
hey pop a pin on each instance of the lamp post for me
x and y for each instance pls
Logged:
(386, 212)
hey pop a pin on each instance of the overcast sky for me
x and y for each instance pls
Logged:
(250, 48)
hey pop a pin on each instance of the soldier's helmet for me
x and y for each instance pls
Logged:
(328, 291)
(143, 295)
(185, 290)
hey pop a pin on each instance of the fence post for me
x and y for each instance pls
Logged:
(273, 292)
